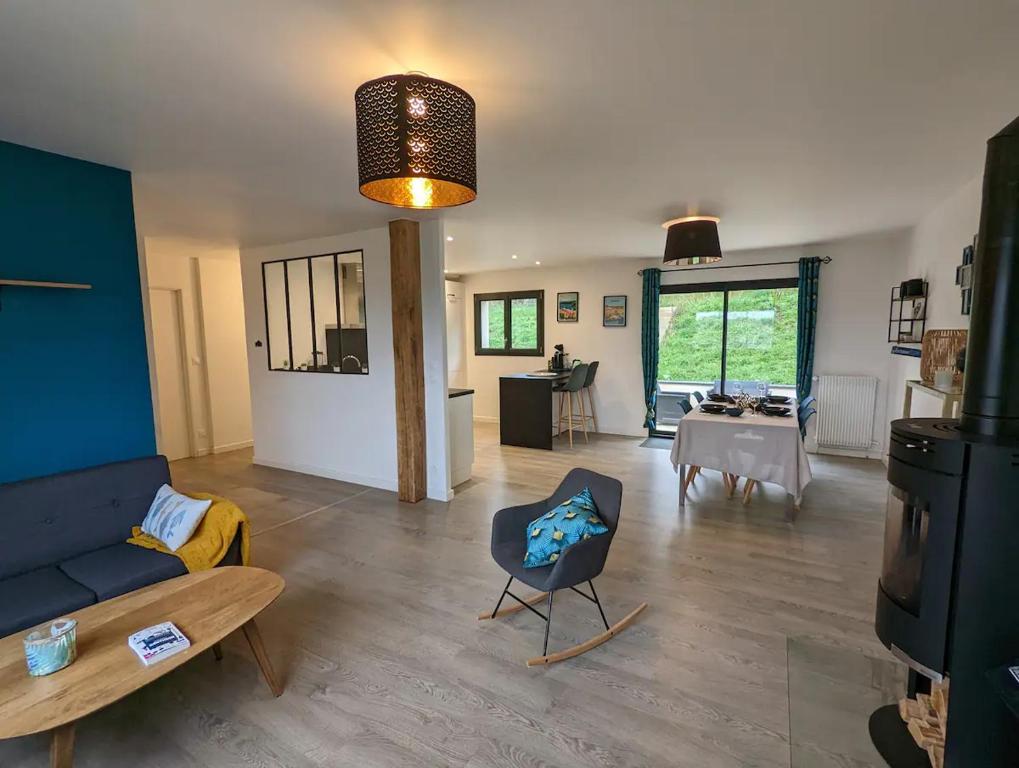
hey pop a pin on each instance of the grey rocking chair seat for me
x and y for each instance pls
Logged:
(578, 563)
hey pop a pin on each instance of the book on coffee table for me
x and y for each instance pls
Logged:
(158, 642)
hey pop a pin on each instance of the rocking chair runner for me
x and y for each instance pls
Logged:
(578, 563)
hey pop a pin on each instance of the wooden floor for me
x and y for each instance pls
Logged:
(757, 649)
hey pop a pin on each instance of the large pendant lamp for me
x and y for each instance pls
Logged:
(415, 142)
(692, 240)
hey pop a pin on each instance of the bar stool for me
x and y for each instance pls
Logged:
(592, 370)
(566, 390)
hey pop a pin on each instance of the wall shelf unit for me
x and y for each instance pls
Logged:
(9, 283)
(907, 317)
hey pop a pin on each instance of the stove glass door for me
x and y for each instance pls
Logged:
(905, 548)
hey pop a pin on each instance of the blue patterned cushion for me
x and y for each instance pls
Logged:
(573, 520)
(173, 517)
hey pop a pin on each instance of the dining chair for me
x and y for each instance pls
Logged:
(572, 386)
(803, 416)
(698, 396)
(694, 470)
(592, 370)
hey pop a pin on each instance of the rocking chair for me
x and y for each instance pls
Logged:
(578, 563)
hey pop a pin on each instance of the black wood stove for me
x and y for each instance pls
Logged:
(948, 597)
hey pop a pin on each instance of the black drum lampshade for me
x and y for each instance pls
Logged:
(692, 240)
(415, 142)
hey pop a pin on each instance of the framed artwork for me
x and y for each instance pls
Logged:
(568, 307)
(613, 311)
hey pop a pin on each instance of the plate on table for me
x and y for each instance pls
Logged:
(775, 410)
(777, 399)
(712, 408)
(717, 398)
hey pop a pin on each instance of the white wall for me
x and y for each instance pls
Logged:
(934, 251)
(344, 426)
(618, 385)
(851, 320)
(213, 336)
(433, 323)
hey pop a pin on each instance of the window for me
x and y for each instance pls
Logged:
(509, 323)
(729, 337)
(314, 314)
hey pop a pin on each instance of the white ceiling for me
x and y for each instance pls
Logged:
(794, 120)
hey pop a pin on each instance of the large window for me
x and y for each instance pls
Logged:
(315, 314)
(731, 337)
(509, 323)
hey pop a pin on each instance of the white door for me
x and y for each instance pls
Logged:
(171, 384)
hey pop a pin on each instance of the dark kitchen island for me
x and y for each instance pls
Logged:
(525, 408)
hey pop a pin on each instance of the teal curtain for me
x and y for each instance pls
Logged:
(649, 342)
(806, 324)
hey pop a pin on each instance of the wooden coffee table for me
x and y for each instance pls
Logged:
(206, 606)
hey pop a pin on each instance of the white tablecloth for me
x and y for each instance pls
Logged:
(765, 448)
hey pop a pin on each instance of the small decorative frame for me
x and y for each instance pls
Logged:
(613, 311)
(568, 307)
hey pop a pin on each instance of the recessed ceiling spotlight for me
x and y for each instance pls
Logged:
(513, 256)
(445, 271)
(449, 238)
(537, 263)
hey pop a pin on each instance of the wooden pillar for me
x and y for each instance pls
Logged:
(408, 354)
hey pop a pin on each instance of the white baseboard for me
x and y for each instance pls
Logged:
(227, 447)
(386, 484)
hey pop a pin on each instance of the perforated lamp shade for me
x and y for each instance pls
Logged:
(692, 240)
(415, 142)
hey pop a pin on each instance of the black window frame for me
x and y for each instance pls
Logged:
(366, 365)
(507, 298)
(724, 287)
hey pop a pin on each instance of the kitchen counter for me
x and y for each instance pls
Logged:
(525, 408)
(460, 411)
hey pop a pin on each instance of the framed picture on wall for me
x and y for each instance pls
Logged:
(568, 307)
(613, 311)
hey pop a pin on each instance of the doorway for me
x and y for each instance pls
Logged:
(173, 411)
(728, 337)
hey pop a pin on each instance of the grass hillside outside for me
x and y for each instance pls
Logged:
(761, 343)
(525, 324)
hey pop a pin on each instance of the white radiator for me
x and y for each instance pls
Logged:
(845, 411)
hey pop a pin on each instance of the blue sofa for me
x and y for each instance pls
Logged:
(63, 540)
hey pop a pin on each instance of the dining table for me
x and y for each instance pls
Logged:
(753, 445)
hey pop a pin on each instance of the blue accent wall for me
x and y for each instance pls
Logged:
(74, 379)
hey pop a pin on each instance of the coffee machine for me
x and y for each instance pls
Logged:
(560, 360)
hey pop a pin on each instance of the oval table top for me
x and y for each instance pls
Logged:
(206, 606)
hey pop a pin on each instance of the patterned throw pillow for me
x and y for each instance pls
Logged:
(173, 517)
(573, 520)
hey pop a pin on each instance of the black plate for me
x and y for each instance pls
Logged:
(772, 410)
(717, 398)
(777, 399)
(734, 410)
(712, 407)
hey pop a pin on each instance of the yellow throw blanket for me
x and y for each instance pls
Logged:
(211, 539)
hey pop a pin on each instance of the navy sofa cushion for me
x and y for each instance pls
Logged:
(50, 519)
(121, 568)
(39, 596)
